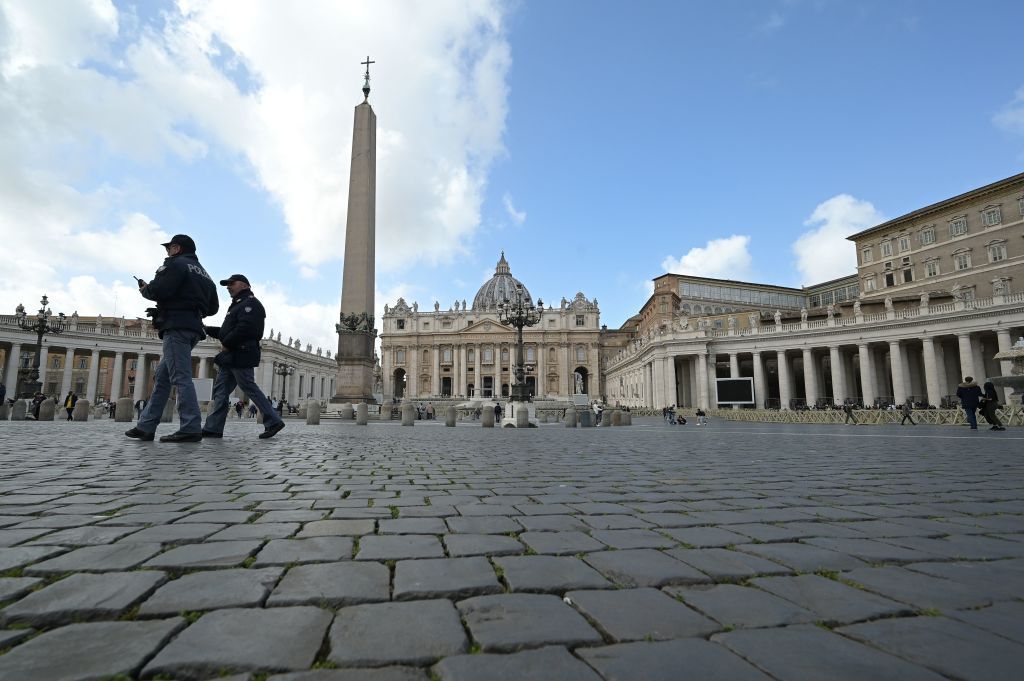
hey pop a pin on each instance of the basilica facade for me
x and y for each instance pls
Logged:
(467, 352)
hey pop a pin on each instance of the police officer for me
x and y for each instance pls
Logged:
(184, 294)
(239, 337)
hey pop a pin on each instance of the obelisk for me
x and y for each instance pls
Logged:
(356, 334)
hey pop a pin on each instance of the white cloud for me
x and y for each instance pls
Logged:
(823, 253)
(727, 258)
(773, 23)
(518, 217)
(1011, 117)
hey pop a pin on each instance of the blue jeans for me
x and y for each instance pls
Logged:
(227, 379)
(972, 417)
(175, 368)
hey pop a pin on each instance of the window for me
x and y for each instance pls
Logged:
(904, 243)
(890, 279)
(931, 268)
(446, 355)
(471, 355)
(426, 326)
(991, 215)
(869, 284)
(531, 355)
(908, 276)
(958, 226)
(581, 353)
(551, 323)
(400, 357)
(446, 325)
(426, 357)
(488, 355)
(815, 300)
(504, 355)
(886, 249)
(961, 260)
(996, 251)
(56, 363)
(581, 320)
(927, 236)
(866, 256)
(1020, 206)
(82, 363)
(401, 324)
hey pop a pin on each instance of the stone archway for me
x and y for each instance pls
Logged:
(585, 375)
(399, 382)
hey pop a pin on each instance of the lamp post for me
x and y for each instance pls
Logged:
(41, 325)
(518, 313)
(284, 371)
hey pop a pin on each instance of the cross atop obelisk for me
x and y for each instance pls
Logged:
(356, 334)
(366, 77)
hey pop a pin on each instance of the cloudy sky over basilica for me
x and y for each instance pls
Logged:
(599, 144)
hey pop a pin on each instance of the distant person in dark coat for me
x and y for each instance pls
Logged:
(969, 394)
(908, 414)
(990, 405)
(69, 403)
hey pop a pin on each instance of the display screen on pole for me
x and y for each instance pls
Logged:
(735, 390)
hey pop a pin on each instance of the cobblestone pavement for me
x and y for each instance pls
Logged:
(337, 552)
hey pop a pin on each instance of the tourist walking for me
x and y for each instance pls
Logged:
(69, 403)
(701, 417)
(850, 417)
(139, 406)
(990, 405)
(252, 411)
(908, 414)
(184, 293)
(969, 395)
(239, 407)
(239, 338)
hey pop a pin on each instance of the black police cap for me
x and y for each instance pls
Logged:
(234, 277)
(183, 240)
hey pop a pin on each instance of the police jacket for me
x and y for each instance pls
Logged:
(184, 294)
(241, 331)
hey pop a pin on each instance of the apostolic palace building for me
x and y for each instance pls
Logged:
(932, 300)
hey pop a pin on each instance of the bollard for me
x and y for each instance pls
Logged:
(19, 410)
(81, 411)
(47, 409)
(570, 418)
(347, 412)
(5, 412)
(542, 417)
(303, 410)
(586, 419)
(522, 417)
(385, 410)
(312, 414)
(168, 414)
(617, 417)
(449, 417)
(408, 414)
(487, 417)
(628, 417)
(124, 410)
(362, 414)
(606, 418)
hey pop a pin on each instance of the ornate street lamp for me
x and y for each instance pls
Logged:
(520, 312)
(41, 325)
(284, 371)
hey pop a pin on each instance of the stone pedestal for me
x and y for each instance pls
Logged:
(347, 412)
(616, 417)
(606, 418)
(449, 417)
(355, 366)
(586, 419)
(81, 410)
(46, 410)
(570, 418)
(487, 417)
(408, 414)
(18, 410)
(124, 411)
(362, 414)
(385, 410)
(522, 417)
(313, 414)
(5, 412)
(303, 409)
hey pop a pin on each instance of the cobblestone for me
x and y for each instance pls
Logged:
(391, 554)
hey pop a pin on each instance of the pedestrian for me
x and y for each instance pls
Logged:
(850, 417)
(969, 395)
(252, 411)
(679, 418)
(112, 408)
(239, 337)
(701, 417)
(139, 406)
(239, 406)
(908, 414)
(184, 293)
(36, 402)
(497, 412)
(3, 394)
(69, 403)
(989, 405)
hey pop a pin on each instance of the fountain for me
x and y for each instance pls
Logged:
(1016, 378)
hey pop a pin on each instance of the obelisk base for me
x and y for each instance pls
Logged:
(355, 368)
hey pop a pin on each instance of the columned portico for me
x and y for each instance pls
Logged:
(839, 392)
(11, 374)
(785, 382)
(115, 383)
(69, 362)
(899, 389)
(760, 391)
(931, 370)
(967, 367)
(810, 378)
(94, 369)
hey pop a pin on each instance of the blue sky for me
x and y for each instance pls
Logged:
(599, 144)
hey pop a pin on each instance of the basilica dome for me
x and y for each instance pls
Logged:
(498, 288)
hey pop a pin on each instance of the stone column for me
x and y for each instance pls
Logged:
(1005, 365)
(838, 375)
(44, 358)
(69, 364)
(734, 370)
(203, 370)
(867, 374)
(979, 362)
(566, 380)
(931, 371)
(94, 372)
(760, 393)
(412, 354)
(11, 375)
(810, 378)
(713, 380)
(899, 388)
(115, 382)
(435, 379)
(140, 378)
(497, 370)
(478, 381)
(785, 394)
(463, 370)
(967, 367)
(540, 370)
(702, 381)
(908, 381)
(669, 371)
